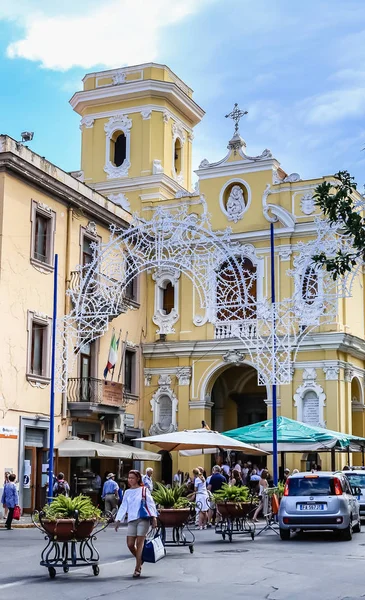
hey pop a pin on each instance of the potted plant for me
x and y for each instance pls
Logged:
(233, 501)
(69, 518)
(173, 505)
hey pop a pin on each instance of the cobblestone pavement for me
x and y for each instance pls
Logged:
(311, 566)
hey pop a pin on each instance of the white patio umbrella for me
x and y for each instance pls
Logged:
(199, 439)
(75, 447)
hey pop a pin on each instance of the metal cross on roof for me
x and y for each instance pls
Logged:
(236, 115)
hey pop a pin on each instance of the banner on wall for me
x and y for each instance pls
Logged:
(27, 474)
(9, 432)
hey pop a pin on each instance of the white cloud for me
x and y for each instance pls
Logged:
(112, 33)
(334, 106)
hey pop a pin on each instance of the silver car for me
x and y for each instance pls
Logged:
(322, 500)
(356, 478)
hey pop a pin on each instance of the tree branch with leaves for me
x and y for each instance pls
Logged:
(339, 204)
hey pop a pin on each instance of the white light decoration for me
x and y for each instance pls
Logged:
(225, 281)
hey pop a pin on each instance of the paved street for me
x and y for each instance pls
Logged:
(310, 566)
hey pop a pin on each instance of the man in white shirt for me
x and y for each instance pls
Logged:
(147, 479)
(178, 478)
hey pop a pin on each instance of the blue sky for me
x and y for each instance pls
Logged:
(297, 67)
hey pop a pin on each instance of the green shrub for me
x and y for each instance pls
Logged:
(232, 494)
(174, 497)
(63, 507)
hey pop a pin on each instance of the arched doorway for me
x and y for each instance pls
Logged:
(237, 398)
(166, 467)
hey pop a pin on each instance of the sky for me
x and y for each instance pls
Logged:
(298, 68)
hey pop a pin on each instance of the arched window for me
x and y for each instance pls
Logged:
(177, 156)
(168, 298)
(310, 286)
(237, 290)
(119, 142)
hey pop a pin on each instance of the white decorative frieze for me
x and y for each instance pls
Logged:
(331, 373)
(307, 204)
(234, 357)
(165, 116)
(147, 379)
(91, 228)
(120, 199)
(119, 77)
(146, 114)
(87, 123)
(184, 375)
(349, 373)
(285, 254)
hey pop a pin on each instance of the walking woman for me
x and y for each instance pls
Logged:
(201, 498)
(137, 526)
(263, 483)
(10, 499)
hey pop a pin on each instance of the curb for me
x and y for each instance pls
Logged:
(20, 526)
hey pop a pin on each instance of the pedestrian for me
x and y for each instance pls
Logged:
(137, 526)
(61, 487)
(177, 479)
(244, 473)
(254, 481)
(201, 498)
(263, 487)
(110, 494)
(226, 470)
(215, 484)
(238, 466)
(286, 475)
(10, 499)
(236, 479)
(147, 479)
(6, 480)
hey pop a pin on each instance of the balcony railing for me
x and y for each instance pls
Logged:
(234, 329)
(98, 391)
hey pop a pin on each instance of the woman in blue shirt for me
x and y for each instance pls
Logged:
(10, 499)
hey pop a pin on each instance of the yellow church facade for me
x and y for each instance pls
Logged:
(137, 134)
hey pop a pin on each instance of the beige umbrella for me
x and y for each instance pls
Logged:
(76, 447)
(199, 439)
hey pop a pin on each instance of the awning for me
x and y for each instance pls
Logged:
(76, 447)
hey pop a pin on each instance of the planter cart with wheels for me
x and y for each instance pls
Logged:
(236, 519)
(70, 542)
(175, 521)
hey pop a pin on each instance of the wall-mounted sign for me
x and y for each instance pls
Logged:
(128, 420)
(9, 432)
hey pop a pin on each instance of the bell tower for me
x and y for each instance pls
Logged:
(137, 133)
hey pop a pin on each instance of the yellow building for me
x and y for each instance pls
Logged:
(137, 133)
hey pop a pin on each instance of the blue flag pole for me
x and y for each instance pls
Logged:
(274, 391)
(53, 373)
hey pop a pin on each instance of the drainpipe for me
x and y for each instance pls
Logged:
(67, 285)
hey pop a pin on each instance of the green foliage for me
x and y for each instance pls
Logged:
(63, 507)
(232, 494)
(174, 497)
(278, 490)
(338, 204)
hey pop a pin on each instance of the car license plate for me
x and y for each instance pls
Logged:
(311, 507)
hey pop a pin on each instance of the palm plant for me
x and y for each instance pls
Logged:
(174, 497)
(64, 507)
(232, 493)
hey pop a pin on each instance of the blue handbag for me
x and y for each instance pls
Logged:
(143, 512)
(153, 548)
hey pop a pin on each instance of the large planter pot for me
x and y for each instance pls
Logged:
(174, 517)
(234, 510)
(65, 530)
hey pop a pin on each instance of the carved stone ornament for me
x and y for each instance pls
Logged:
(165, 322)
(292, 178)
(91, 228)
(190, 136)
(263, 156)
(309, 374)
(116, 123)
(184, 375)
(285, 254)
(44, 207)
(234, 356)
(121, 123)
(157, 167)
(40, 316)
(307, 204)
(165, 116)
(178, 132)
(331, 373)
(164, 382)
(310, 400)
(147, 379)
(236, 143)
(120, 199)
(146, 114)
(119, 78)
(235, 206)
(87, 122)
(164, 407)
(349, 374)
(204, 163)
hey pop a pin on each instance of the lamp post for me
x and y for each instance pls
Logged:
(53, 373)
(273, 334)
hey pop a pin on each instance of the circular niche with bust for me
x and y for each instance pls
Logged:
(234, 200)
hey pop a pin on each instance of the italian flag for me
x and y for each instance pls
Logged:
(113, 355)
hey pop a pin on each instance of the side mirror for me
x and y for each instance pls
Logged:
(356, 491)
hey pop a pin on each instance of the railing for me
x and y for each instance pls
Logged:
(85, 389)
(234, 329)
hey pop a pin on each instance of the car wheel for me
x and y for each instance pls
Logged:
(357, 528)
(346, 534)
(285, 534)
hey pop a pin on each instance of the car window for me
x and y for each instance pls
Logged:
(356, 479)
(311, 486)
(345, 485)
